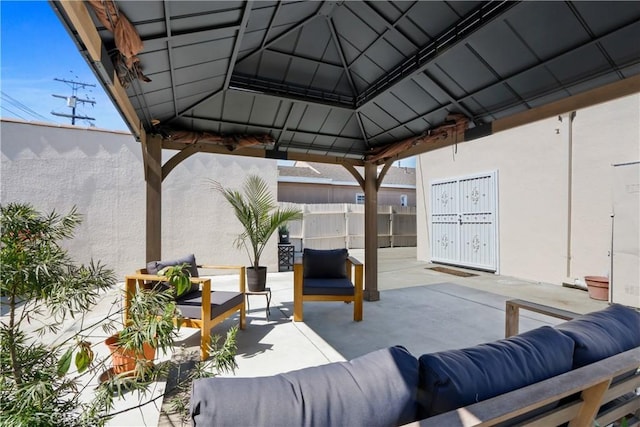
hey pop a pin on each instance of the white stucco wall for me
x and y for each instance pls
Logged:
(532, 163)
(100, 172)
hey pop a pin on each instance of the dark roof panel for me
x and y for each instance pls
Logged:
(338, 77)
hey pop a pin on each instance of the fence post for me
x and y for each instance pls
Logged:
(346, 225)
(391, 230)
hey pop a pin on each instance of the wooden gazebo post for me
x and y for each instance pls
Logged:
(152, 154)
(371, 232)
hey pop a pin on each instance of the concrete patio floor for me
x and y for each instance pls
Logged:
(421, 309)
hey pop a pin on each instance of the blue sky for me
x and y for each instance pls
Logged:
(34, 50)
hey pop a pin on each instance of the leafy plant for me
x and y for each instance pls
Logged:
(258, 212)
(46, 360)
(283, 229)
(178, 276)
(222, 360)
(41, 289)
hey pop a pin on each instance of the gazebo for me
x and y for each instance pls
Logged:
(356, 83)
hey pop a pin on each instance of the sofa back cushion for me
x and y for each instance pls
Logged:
(325, 263)
(603, 333)
(456, 378)
(154, 267)
(377, 389)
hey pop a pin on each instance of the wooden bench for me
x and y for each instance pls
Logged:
(205, 321)
(586, 396)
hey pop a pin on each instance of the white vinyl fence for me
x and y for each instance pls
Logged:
(341, 225)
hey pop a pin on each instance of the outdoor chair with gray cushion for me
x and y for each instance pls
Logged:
(327, 275)
(201, 307)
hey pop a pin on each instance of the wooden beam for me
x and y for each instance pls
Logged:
(80, 20)
(262, 153)
(122, 99)
(154, 199)
(427, 146)
(370, 233)
(595, 96)
(353, 171)
(383, 172)
(174, 161)
(79, 16)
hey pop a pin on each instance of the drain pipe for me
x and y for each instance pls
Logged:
(569, 138)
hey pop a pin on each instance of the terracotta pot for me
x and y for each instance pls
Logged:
(598, 287)
(125, 360)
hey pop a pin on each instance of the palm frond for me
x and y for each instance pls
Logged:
(258, 213)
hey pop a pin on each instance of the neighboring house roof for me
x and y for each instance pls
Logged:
(321, 173)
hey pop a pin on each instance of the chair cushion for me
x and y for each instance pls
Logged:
(456, 378)
(325, 264)
(327, 287)
(377, 389)
(154, 266)
(221, 301)
(603, 333)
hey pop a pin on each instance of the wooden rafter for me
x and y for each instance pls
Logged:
(78, 17)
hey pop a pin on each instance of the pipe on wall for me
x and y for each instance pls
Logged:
(568, 125)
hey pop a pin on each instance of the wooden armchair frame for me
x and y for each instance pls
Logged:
(355, 275)
(205, 323)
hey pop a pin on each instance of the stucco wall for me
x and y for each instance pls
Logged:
(100, 172)
(532, 164)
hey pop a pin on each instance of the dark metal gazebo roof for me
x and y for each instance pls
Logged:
(340, 78)
(351, 82)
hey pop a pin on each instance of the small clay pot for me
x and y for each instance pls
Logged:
(598, 287)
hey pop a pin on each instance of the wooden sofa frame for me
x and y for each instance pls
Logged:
(593, 385)
(205, 323)
(355, 273)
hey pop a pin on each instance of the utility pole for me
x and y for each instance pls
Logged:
(73, 100)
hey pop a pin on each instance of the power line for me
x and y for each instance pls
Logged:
(13, 112)
(22, 107)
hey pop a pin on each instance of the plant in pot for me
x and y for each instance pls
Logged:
(283, 234)
(150, 324)
(258, 212)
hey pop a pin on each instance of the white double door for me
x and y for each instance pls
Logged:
(464, 221)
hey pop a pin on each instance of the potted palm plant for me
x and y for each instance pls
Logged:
(258, 212)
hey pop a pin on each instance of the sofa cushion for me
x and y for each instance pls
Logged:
(603, 333)
(153, 267)
(325, 264)
(456, 378)
(328, 287)
(377, 389)
(221, 301)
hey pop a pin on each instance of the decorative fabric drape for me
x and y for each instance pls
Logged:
(232, 142)
(126, 38)
(455, 124)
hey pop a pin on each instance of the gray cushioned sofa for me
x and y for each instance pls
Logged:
(392, 387)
